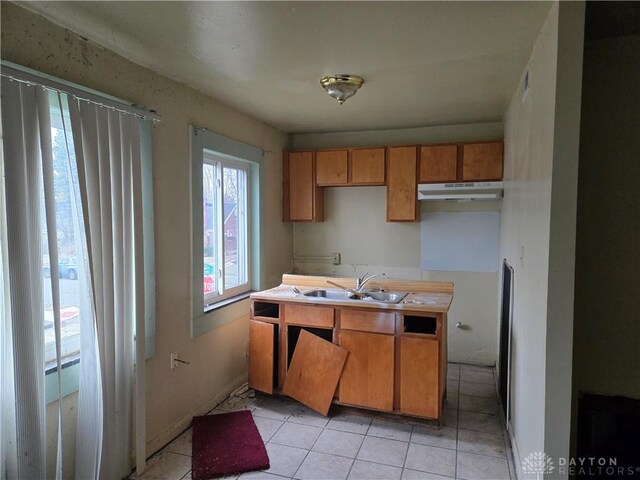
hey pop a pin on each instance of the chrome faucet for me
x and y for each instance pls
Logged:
(362, 281)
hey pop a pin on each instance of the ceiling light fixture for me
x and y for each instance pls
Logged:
(341, 86)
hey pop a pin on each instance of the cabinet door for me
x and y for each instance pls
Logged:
(402, 197)
(438, 163)
(367, 166)
(302, 200)
(367, 378)
(482, 161)
(419, 377)
(331, 167)
(261, 355)
(314, 372)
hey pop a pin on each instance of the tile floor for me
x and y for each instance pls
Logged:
(355, 444)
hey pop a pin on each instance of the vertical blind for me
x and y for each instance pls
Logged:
(109, 184)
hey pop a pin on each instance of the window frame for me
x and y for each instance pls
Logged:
(205, 318)
(213, 158)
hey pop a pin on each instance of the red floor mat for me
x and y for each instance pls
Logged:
(226, 444)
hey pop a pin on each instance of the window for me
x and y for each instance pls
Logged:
(72, 254)
(45, 144)
(225, 227)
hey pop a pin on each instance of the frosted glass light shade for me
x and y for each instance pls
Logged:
(342, 86)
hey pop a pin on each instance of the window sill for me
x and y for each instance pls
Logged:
(66, 363)
(227, 302)
(221, 313)
(70, 379)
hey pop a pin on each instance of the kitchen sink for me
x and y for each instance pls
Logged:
(385, 297)
(367, 296)
(329, 294)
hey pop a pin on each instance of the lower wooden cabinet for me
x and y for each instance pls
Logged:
(419, 376)
(396, 362)
(263, 339)
(367, 378)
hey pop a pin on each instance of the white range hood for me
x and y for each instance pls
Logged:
(460, 191)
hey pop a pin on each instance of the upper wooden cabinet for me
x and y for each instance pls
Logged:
(331, 167)
(367, 166)
(402, 197)
(482, 161)
(302, 200)
(399, 168)
(438, 163)
(466, 162)
(358, 166)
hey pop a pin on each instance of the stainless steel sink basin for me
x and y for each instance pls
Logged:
(328, 294)
(385, 297)
(367, 296)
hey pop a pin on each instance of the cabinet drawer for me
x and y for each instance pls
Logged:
(306, 315)
(375, 322)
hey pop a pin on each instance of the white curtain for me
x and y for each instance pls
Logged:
(108, 216)
(107, 148)
(22, 419)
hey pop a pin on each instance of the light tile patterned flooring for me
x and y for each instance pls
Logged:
(356, 444)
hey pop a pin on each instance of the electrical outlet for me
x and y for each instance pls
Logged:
(173, 357)
(336, 258)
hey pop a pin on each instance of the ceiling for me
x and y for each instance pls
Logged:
(424, 63)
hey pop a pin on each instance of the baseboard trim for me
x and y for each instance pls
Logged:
(516, 465)
(173, 431)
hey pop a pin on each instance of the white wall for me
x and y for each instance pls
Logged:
(218, 358)
(606, 356)
(564, 198)
(355, 226)
(538, 233)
